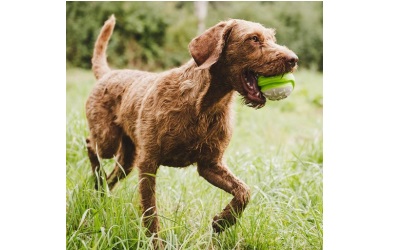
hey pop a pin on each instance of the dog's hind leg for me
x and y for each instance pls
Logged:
(104, 146)
(220, 176)
(124, 165)
(95, 163)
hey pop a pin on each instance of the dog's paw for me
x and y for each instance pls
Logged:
(223, 221)
(219, 225)
(158, 244)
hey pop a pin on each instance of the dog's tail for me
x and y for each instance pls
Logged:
(99, 59)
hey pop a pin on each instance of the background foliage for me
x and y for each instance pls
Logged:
(276, 150)
(155, 35)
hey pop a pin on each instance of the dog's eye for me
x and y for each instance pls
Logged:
(255, 39)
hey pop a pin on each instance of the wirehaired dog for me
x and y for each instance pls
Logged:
(182, 116)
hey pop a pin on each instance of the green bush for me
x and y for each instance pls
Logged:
(138, 37)
(155, 35)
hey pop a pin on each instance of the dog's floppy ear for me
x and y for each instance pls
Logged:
(207, 47)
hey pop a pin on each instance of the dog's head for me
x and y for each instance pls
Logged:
(242, 51)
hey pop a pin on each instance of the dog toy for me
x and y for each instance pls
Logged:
(276, 87)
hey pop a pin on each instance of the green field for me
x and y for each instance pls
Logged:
(276, 150)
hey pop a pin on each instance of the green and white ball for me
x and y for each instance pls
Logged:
(277, 87)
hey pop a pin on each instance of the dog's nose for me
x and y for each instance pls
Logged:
(292, 60)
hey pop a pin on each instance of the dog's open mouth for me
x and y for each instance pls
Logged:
(253, 96)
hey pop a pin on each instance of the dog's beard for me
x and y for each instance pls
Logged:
(251, 104)
(237, 85)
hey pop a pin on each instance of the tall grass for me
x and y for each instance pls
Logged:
(276, 150)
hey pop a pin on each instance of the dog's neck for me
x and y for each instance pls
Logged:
(219, 93)
(213, 92)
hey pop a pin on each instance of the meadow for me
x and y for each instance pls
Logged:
(276, 150)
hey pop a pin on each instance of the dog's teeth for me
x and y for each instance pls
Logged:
(248, 84)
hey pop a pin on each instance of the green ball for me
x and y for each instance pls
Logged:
(277, 87)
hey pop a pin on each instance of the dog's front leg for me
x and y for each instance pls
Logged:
(147, 190)
(220, 176)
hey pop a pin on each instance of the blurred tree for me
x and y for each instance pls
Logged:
(201, 13)
(155, 35)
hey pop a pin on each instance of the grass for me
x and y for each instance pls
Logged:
(276, 150)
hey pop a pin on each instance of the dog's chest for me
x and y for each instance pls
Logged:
(191, 139)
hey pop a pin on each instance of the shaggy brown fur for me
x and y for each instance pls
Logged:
(184, 115)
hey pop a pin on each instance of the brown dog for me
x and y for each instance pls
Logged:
(184, 115)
